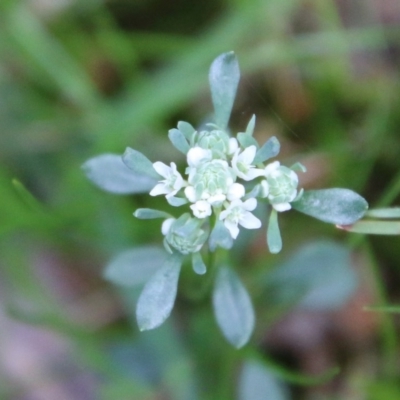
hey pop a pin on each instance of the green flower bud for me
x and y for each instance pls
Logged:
(217, 141)
(185, 234)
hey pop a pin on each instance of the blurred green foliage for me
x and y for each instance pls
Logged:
(81, 78)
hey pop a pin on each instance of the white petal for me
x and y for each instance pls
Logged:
(232, 227)
(160, 188)
(254, 173)
(235, 191)
(249, 221)
(282, 207)
(248, 155)
(190, 193)
(196, 155)
(250, 204)
(166, 225)
(264, 188)
(216, 199)
(271, 167)
(233, 145)
(162, 168)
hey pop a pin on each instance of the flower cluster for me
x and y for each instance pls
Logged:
(224, 180)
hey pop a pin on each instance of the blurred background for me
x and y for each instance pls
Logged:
(81, 78)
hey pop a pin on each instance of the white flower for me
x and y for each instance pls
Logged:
(201, 209)
(238, 212)
(241, 164)
(282, 186)
(172, 183)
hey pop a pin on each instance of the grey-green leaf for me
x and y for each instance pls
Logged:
(186, 129)
(224, 77)
(319, 276)
(158, 296)
(256, 382)
(251, 125)
(109, 173)
(149, 213)
(178, 139)
(268, 150)
(139, 163)
(135, 266)
(220, 236)
(246, 140)
(336, 206)
(274, 239)
(198, 264)
(232, 307)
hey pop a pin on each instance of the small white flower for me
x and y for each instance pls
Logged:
(238, 212)
(172, 183)
(264, 192)
(201, 209)
(235, 192)
(241, 164)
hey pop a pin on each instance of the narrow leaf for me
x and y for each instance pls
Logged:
(198, 264)
(393, 309)
(246, 140)
(149, 213)
(251, 125)
(178, 139)
(220, 236)
(108, 172)
(373, 227)
(268, 150)
(139, 163)
(158, 296)
(384, 213)
(336, 206)
(232, 307)
(186, 129)
(135, 266)
(224, 77)
(274, 239)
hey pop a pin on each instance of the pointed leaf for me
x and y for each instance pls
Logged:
(384, 213)
(257, 382)
(186, 129)
(198, 264)
(232, 307)
(251, 125)
(135, 266)
(158, 296)
(336, 206)
(149, 213)
(109, 173)
(274, 239)
(176, 201)
(178, 139)
(139, 163)
(224, 78)
(220, 236)
(373, 227)
(268, 150)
